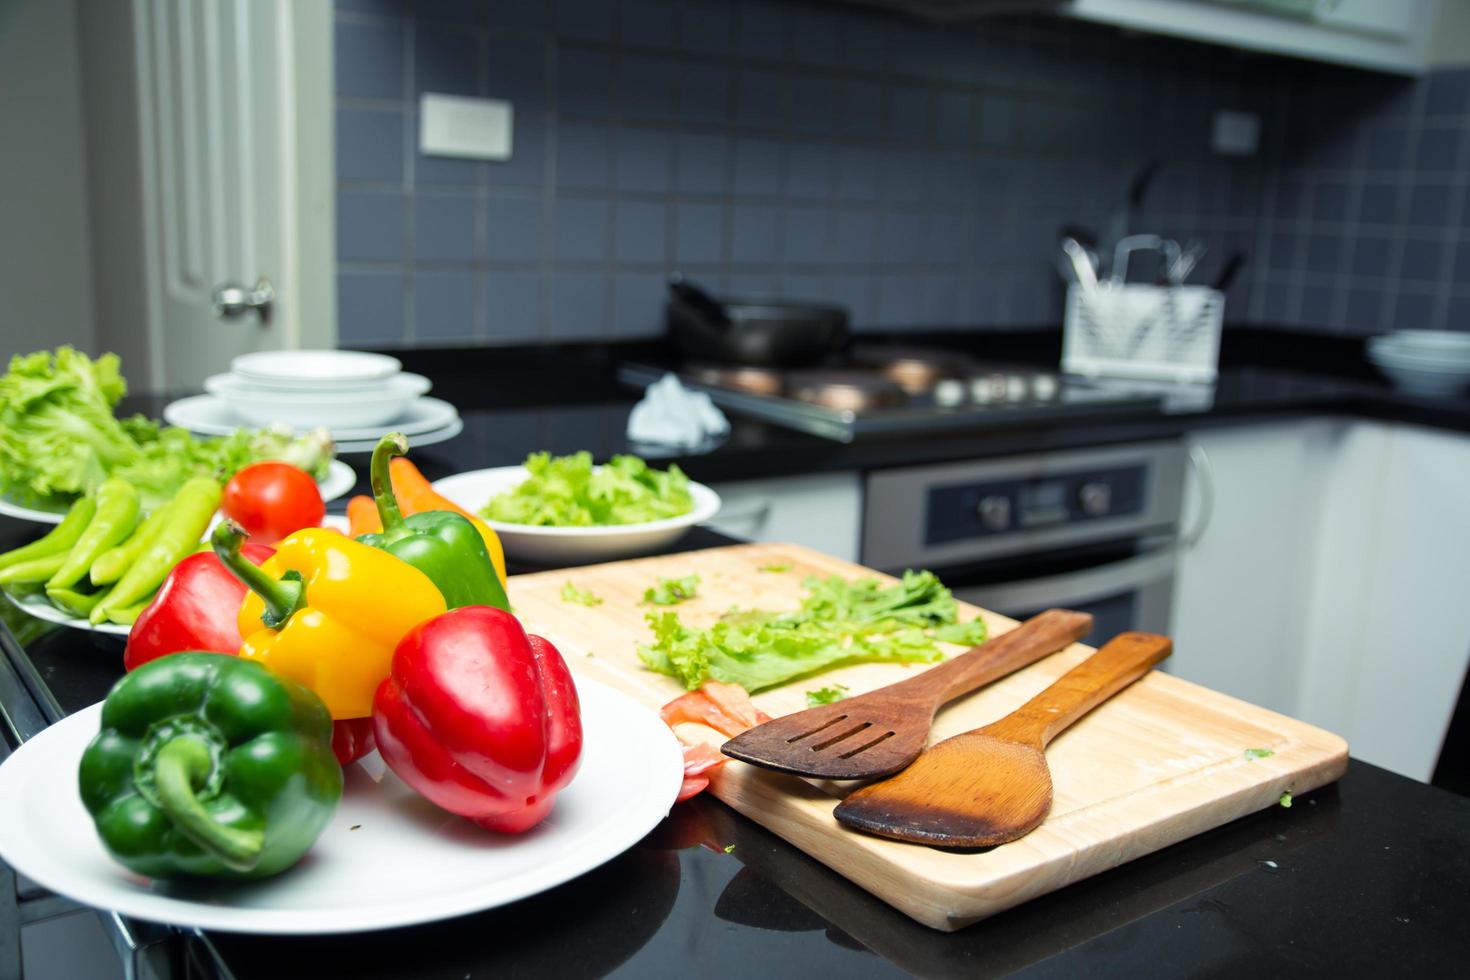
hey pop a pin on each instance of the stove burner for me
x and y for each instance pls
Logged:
(844, 391)
(755, 380)
(915, 369)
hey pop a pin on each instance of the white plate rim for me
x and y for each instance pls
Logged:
(41, 609)
(183, 413)
(706, 506)
(386, 365)
(340, 479)
(587, 851)
(399, 385)
(446, 432)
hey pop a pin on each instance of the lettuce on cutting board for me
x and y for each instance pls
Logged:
(840, 622)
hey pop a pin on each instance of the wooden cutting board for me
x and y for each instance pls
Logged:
(1164, 760)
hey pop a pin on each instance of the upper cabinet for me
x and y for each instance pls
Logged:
(1384, 35)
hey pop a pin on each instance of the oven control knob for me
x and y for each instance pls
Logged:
(1096, 498)
(995, 512)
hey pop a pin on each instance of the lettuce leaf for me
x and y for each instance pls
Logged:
(568, 491)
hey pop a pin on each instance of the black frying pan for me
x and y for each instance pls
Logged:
(774, 334)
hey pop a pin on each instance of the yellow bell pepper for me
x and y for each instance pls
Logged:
(327, 611)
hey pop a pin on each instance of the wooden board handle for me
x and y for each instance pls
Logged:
(1042, 634)
(1125, 658)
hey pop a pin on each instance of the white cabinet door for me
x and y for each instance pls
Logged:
(1242, 585)
(822, 512)
(1389, 619)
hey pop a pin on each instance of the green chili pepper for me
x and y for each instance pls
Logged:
(442, 544)
(60, 539)
(189, 514)
(128, 615)
(33, 572)
(74, 603)
(117, 515)
(112, 563)
(209, 764)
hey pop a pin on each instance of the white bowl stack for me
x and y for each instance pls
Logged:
(355, 395)
(1424, 362)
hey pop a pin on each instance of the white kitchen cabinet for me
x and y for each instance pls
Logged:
(1238, 597)
(1330, 583)
(822, 512)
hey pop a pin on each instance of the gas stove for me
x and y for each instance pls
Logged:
(887, 390)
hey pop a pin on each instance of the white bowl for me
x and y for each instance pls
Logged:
(312, 370)
(330, 408)
(1433, 360)
(1418, 381)
(1455, 343)
(572, 545)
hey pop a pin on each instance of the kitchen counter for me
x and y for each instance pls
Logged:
(1364, 876)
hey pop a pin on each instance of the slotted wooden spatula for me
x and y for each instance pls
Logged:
(878, 733)
(992, 785)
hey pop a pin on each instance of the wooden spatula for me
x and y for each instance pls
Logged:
(992, 785)
(878, 733)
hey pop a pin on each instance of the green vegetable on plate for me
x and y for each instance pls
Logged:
(826, 695)
(59, 540)
(210, 765)
(839, 622)
(671, 591)
(188, 518)
(114, 520)
(582, 597)
(568, 491)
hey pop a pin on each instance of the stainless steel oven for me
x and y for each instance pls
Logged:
(1092, 529)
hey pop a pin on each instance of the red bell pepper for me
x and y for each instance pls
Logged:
(198, 608)
(480, 718)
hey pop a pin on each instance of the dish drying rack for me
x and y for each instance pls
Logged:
(1139, 330)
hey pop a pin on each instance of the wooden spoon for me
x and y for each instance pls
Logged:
(878, 733)
(992, 785)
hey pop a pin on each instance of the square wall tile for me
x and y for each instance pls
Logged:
(806, 236)
(855, 236)
(370, 309)
(648, 85)
(1415, 311)
(444, 306)
(445, 61)
(812, 110)
(699, 232)
(858, 169)
(370, 227)
(703, 94)
(370, 144)
(516, 70)
(438, 172)
(581, 230)
(583, 81)
(512, 306)
(755, 233)
(760, 98)
(587, 19)
(578, 305)
(1429, 204)
(707, 25)
(1379, 204)
(908, 114)
(761, 30)
(638, 304)
(367, 60)
(640, 232)
(514, 230)
(809, 171)
(527, 165)
(444, 228)
(649, 22)
(700, 163)
(583, 157)
(899, 302)
(644, 159)
(1422, 259)
(856, 293)
(757, 167)
(861, 109)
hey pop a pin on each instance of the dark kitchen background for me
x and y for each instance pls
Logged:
(915, 174)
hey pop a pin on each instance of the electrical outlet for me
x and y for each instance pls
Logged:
(1235, 134)
(471, 129)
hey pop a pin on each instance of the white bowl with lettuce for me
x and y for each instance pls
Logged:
(564, 510)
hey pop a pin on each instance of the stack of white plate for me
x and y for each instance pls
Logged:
(1424, 362)
(355, 395)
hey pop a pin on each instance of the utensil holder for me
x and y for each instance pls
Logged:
(1136, 330)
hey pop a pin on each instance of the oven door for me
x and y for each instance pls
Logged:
(1126, 585)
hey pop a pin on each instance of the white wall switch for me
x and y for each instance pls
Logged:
(472, 129)
(1235, 134)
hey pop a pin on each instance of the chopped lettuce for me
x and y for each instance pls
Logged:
(840, 622)
(825, 695)
(59, 436)
(671, 591)
(567, 491)
(582, 597)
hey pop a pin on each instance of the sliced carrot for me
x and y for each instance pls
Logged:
(416, 495)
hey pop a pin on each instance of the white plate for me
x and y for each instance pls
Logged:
(314, 369)
(407, 862)
(37, 606)
(210, 416)
(415, 439)
(331, 408)
(552, 545)
(339, 480)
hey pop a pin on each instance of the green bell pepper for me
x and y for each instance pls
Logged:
(441, 544)
(210, 765)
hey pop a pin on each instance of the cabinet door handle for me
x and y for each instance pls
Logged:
(1204, 471)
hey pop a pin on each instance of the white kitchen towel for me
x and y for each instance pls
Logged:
(672, 415)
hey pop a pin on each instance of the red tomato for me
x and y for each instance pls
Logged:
(271, 500)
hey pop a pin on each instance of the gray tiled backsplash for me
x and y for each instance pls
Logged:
(915, 174)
